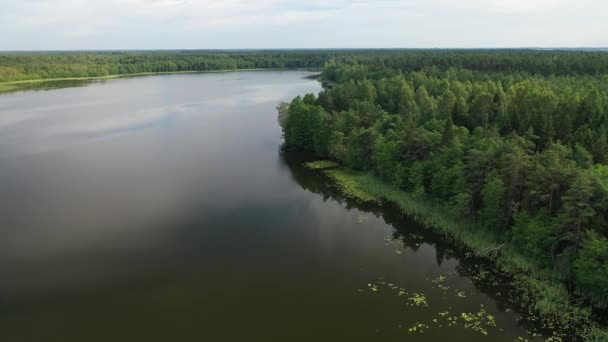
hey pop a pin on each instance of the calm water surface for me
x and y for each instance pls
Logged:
(160, 209)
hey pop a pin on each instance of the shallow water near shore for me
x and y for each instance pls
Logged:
(161, 208)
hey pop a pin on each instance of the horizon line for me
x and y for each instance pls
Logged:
(550, 48)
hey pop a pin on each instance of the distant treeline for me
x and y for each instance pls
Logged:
(43, 65)
(27, 66)
(513, 143)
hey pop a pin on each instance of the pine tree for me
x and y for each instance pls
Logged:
(576, 212)
(448, 132)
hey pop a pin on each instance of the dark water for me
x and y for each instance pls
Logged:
(160, 209)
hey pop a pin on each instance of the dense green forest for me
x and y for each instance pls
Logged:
(514, 144)
(17, 66)
(41, 65)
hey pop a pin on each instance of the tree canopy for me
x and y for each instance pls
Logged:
(514, 142)
(341, 65)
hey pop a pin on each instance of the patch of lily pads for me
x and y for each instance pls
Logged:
(361, 218)
(346, 181)
(480, 322)
(321, 164)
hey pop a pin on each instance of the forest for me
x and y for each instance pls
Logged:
(20, 66)
(513, 144)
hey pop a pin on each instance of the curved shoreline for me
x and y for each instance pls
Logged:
(12, 86)
(571, 316)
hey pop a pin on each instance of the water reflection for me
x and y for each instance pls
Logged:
(159, 208)
(49, 85)
(415, 238)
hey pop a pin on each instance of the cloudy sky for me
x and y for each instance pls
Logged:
(205, 24)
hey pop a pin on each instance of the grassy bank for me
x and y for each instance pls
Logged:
(544, 298)
(23, 84)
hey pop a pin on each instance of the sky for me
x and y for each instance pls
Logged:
(255, 24)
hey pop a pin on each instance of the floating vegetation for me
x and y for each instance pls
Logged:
(361, 218)
(548, 303)
(439, 279)
(321, 164)
(374, 287)
(418, 299)
(391, 241)
(478, 322)
(349, 185)
(480, 275)
(418, 328)
(554, 339)
(440, 282)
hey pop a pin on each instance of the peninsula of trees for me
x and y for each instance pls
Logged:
(513, 144)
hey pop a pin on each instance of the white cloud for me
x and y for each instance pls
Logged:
(503, 6)
(136, 24)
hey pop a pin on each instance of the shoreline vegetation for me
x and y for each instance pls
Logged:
(21, 70)
(11, 86)
(505, 151)
(18, 67)
(548, 302)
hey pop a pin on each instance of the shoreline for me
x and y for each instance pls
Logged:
(10, 86)
(549, 300)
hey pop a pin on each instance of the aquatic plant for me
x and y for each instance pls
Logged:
(321, 164)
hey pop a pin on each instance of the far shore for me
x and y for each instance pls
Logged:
(22, 84)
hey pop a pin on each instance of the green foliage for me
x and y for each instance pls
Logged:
(7, 87)
(535, 236)
(497, 147)
(577, 210)
(509, 142)
(591, 266)
(597, 335)
(493, 197)
(551, 301)
(551, 174)
(305, 125)
(322, 164)
(51, 65)
(347, 182)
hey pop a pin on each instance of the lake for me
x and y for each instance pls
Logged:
(161, 208)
